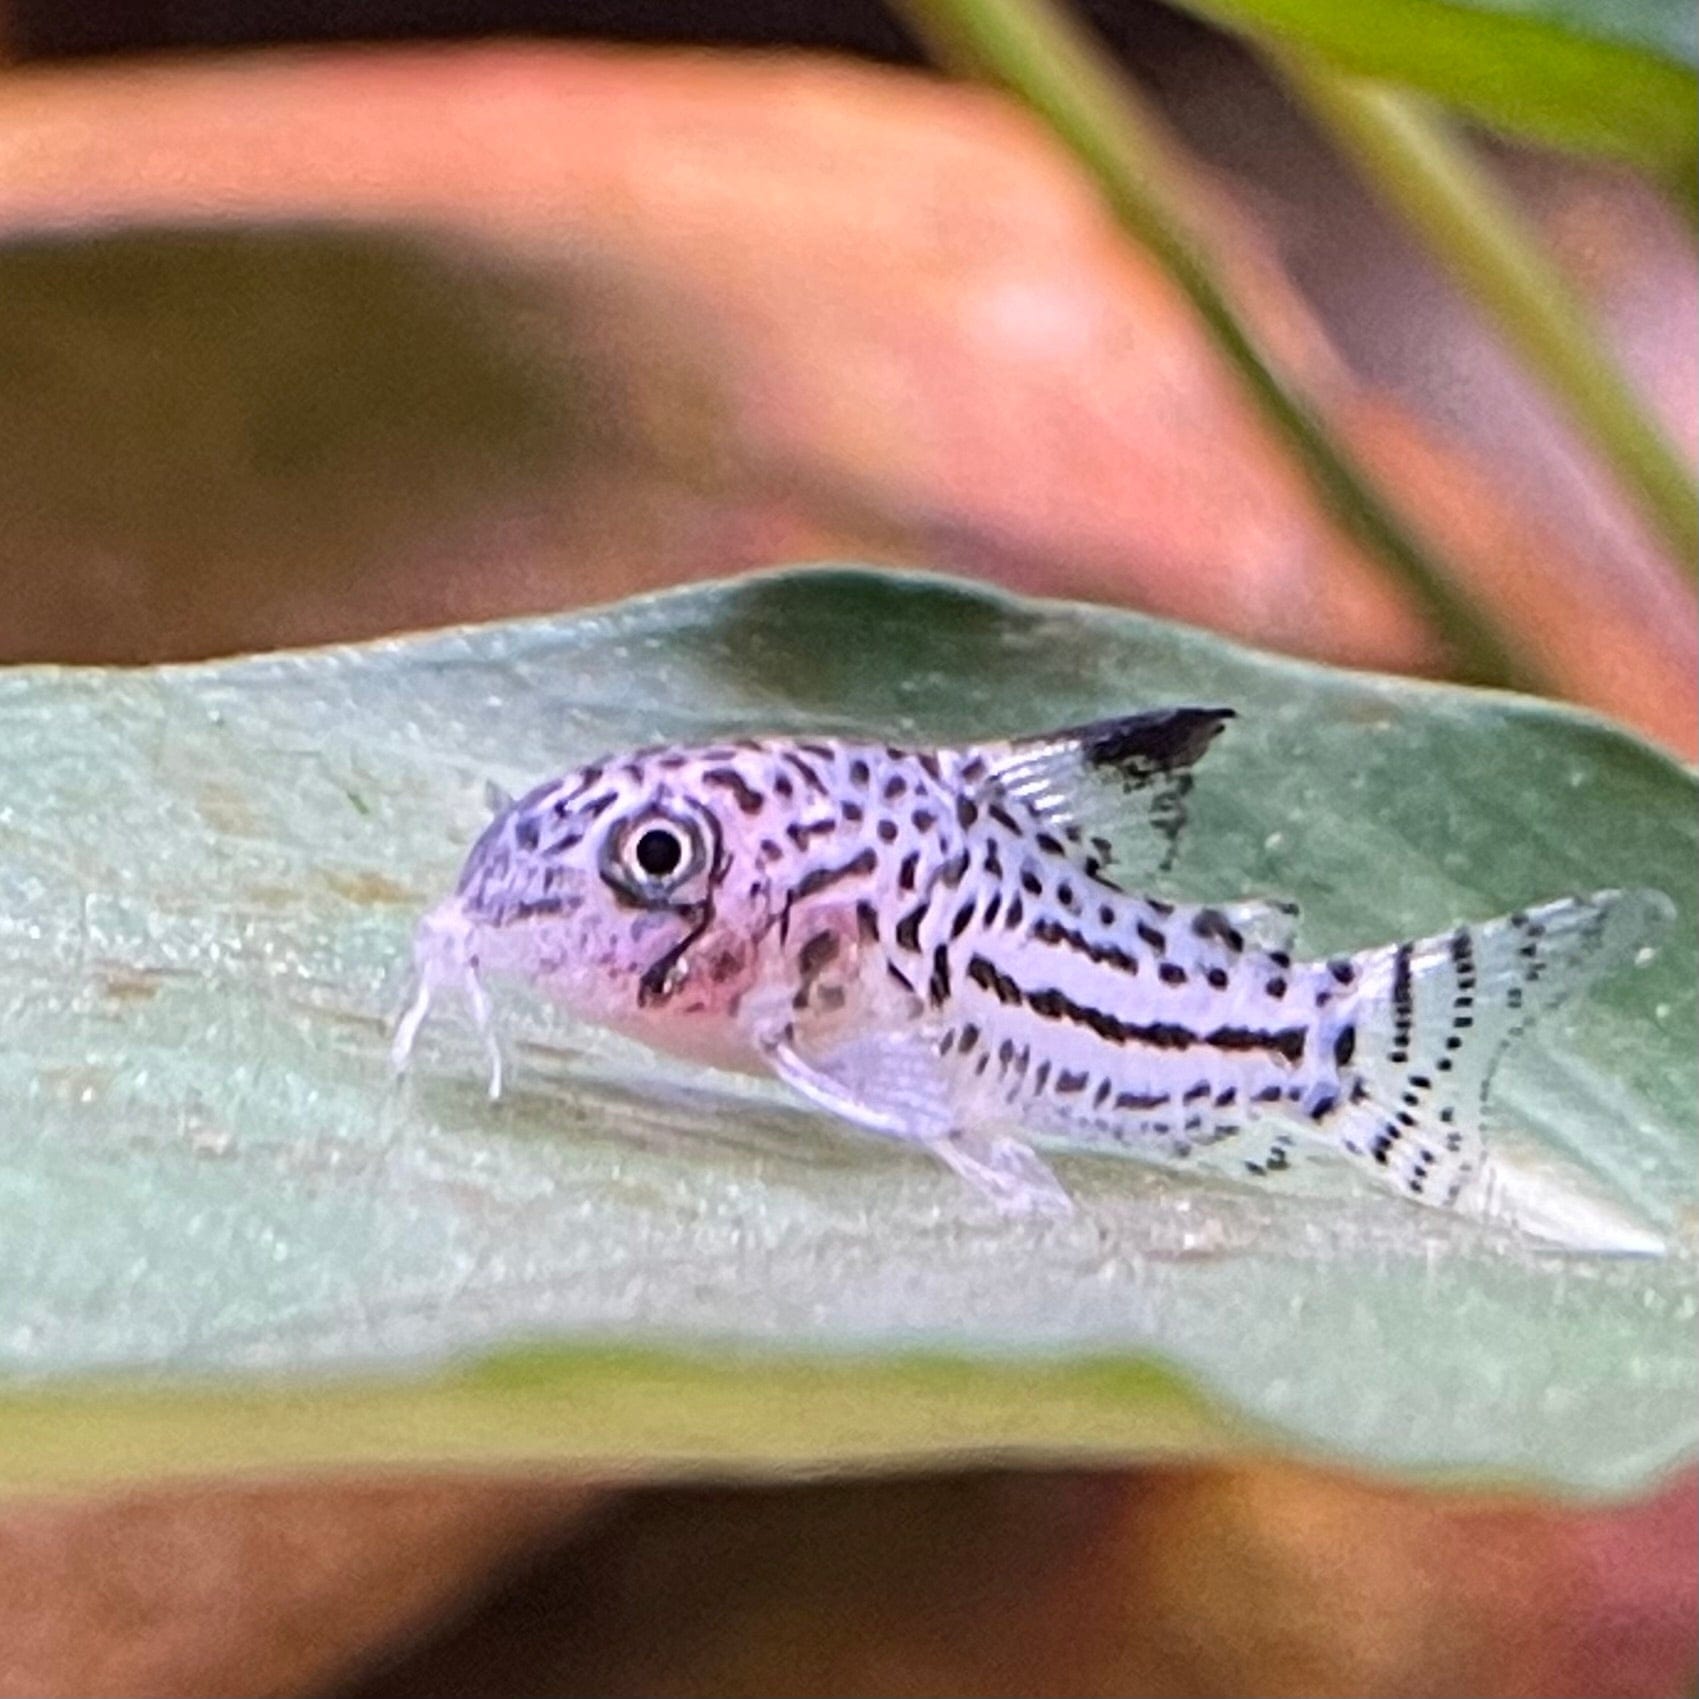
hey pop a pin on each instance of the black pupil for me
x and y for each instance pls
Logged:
(659, 852)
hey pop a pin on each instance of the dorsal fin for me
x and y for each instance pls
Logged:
(1149, 755)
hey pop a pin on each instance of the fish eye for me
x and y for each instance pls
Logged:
(653, 854)
(659, 851)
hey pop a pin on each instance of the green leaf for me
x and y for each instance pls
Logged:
(1604, 76)
(227, 1241)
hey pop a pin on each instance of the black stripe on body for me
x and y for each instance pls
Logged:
(747, 797)
(800, 831)
(822, 878)
(1049, 1003)
(938, 989)
(1104, 955)
(809, 777)
(1211, 923)
(907, 933)
(1141, 1100)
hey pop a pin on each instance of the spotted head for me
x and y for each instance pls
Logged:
(631, 890)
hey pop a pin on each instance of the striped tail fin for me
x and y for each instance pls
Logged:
(1433, 1020)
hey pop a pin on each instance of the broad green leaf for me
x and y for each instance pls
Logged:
(228, 1241)
(1605, 76)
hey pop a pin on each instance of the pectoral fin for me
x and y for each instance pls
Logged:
(895, 1085)
(1000, 1167)
(883, 1085)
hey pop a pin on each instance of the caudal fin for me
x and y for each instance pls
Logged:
(1433, 1020)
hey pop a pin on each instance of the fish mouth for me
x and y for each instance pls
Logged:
(445, 955)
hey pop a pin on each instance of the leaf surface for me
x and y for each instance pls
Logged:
(227, 1241)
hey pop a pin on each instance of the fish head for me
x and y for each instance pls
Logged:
(609, 890)
(595, 886)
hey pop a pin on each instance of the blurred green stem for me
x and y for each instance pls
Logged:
(1039, 53)
(1410, 156)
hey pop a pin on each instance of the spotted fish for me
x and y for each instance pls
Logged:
(930, 944)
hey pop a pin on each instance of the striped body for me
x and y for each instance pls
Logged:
(1057, 998)
(929, 943)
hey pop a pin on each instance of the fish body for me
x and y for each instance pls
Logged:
(928, 943)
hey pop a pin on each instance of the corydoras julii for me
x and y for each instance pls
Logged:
(926, 943)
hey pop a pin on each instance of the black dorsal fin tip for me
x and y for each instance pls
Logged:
(1049, 777)
(1163, 740)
